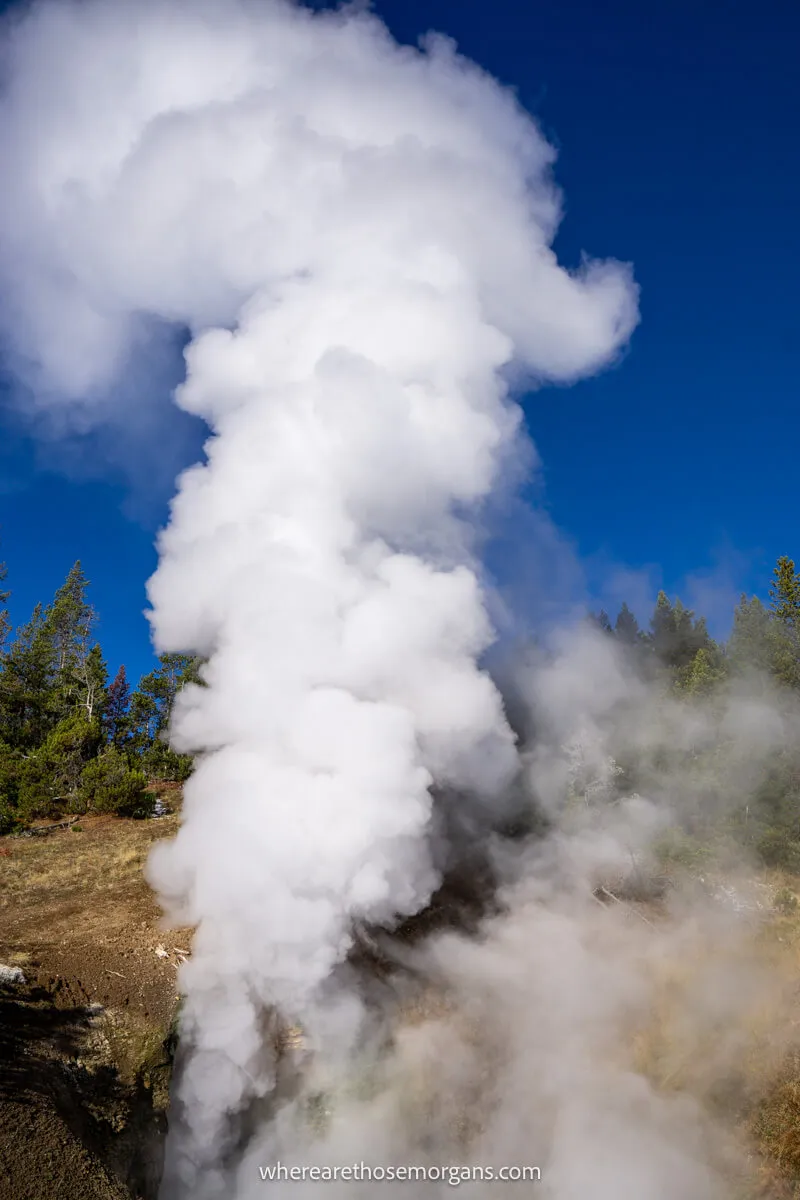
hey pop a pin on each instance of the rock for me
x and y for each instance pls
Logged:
(11, 975)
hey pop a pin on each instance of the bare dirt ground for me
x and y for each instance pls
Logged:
(85, 1041)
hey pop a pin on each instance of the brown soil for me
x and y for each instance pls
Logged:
(85, 1042)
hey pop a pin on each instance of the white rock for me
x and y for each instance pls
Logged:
(11, 974)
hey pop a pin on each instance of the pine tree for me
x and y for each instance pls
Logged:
(150, 713)
(153, 700)
(676, 637)
(116, 716)
(70, 620)
(785, 604)
(662, 629)
(28, 707)
(690, 635)
(109, 784)
(67, 739)
(626, 627)
(49, 777)
(5, 620)
(601, 621)
(93, 675)
(751, 646)
(10, 762)
(784, 593)
(702, 675)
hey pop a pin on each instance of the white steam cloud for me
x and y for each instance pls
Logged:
(357, 237)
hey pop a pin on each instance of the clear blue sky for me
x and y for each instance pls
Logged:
(677, 124)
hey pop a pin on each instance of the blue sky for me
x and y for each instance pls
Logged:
(676, 124)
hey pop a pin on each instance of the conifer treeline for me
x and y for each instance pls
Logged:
(70, 740)
(678, 646)
(680, 657)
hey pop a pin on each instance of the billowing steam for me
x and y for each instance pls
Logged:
(356, 236)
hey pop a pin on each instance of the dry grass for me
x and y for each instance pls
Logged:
(80, 1112)
(107, 854)
(776, 1124)
(91, 881)
(774, 1118)
(76, 906)
(744, 1066)
(77, 915)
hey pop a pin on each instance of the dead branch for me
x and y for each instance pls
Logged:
(627, 907)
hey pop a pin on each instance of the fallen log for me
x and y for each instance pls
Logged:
(43, 830)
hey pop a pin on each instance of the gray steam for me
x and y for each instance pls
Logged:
(604, 1041)
(357, 237)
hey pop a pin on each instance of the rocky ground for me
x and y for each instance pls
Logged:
(86, 1032)
(88, 1005)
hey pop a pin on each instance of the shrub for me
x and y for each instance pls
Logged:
(778, 848)
(48, 778)
(776, 1124)
(9, 789)
(784, 901)
(109, 785)
(165, 764)
(677, 848)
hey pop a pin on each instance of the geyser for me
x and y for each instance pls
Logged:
(357, 235)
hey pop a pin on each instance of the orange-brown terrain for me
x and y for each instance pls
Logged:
(85, 1041)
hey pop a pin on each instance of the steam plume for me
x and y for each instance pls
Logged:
(357, 237)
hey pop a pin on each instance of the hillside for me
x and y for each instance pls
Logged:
(85, 1041)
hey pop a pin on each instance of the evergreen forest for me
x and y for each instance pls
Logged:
(74, 740)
